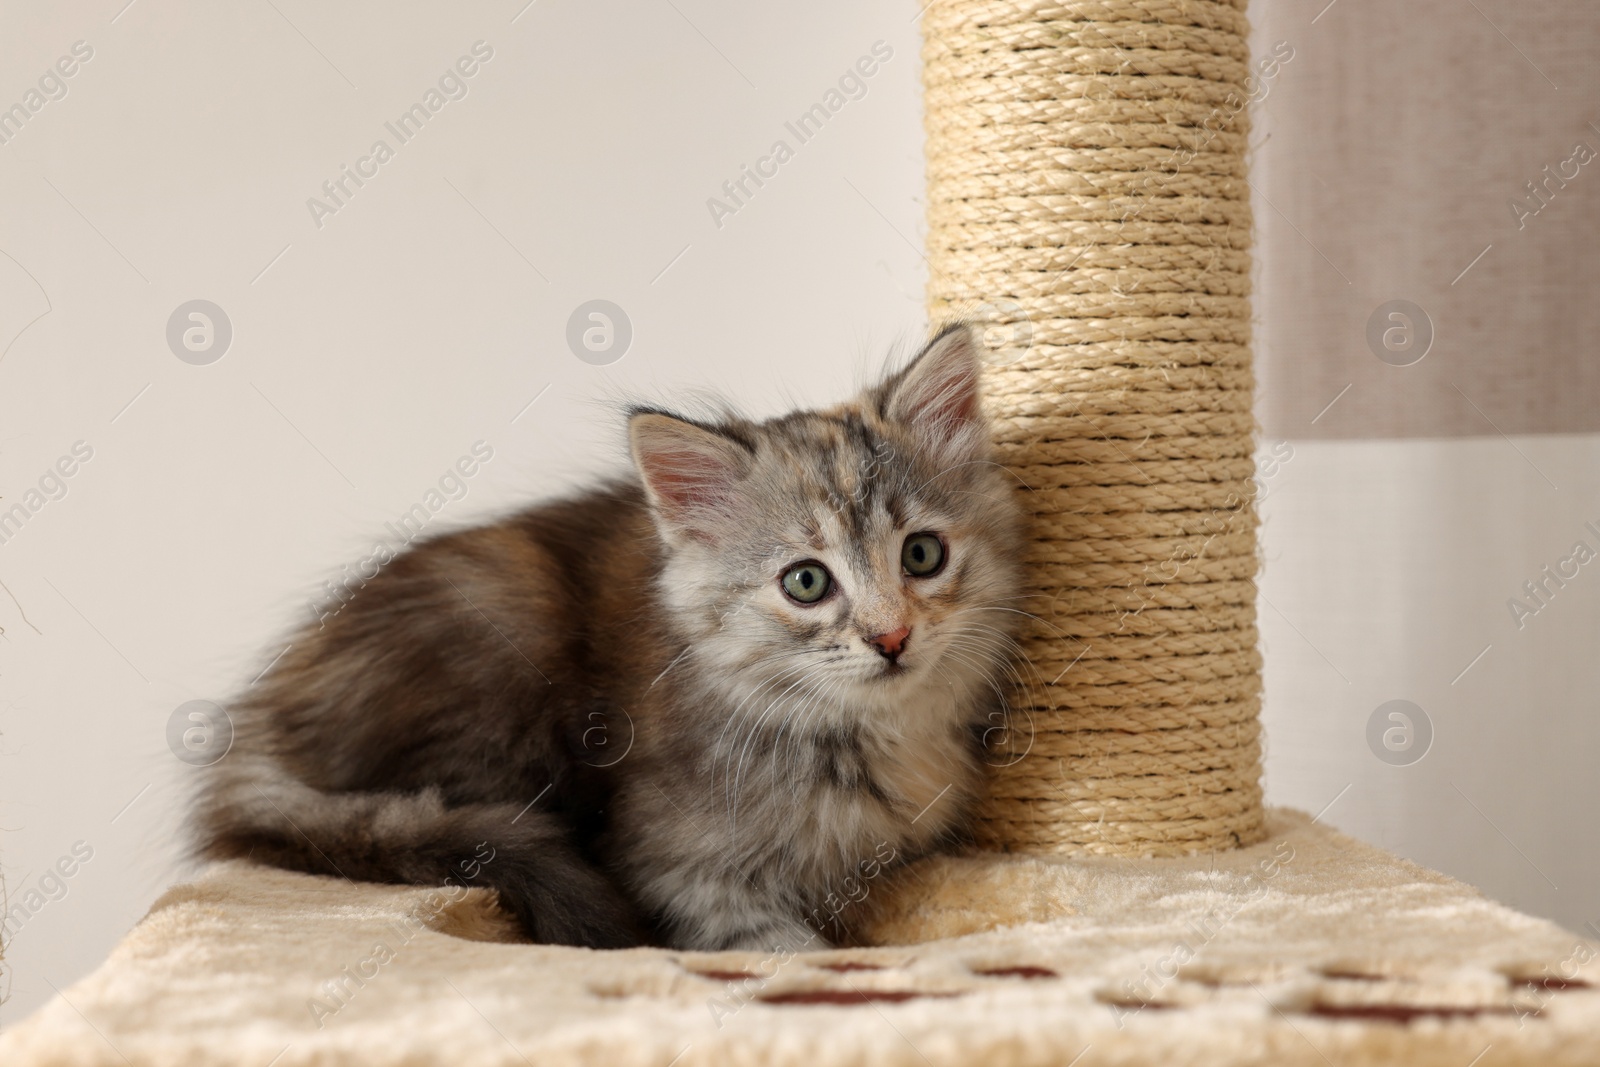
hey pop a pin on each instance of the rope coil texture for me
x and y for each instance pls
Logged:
(1088, 206)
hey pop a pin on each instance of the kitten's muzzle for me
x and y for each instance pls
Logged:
(891, 644)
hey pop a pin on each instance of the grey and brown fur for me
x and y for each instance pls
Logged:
(612, 696)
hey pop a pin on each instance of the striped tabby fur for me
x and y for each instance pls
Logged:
(613, 697)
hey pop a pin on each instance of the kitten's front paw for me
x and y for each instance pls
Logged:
(778, 936)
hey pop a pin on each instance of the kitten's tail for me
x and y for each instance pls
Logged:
(265, 815)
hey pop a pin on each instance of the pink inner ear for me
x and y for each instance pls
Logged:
(687, 480)
(691, 473)
(955, 398)
(942, 400)
(694, 491)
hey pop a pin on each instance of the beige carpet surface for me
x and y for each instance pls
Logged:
(1309, 948)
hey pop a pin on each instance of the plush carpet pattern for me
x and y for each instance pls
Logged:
(1309, 948)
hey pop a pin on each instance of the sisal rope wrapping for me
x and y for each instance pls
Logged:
(1087, 202)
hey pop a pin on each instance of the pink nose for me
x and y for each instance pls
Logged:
(891, 643)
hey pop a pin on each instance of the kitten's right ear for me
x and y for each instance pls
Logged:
(690, 474)
(936, 397)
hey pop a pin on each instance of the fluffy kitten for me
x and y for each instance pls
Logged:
(699, 708)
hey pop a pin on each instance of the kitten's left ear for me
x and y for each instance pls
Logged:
(690, 474)
(937, 396)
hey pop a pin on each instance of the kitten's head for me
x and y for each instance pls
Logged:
(860, 552)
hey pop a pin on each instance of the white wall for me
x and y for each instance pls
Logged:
(1389, 565)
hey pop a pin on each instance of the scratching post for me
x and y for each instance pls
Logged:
(1087, 203)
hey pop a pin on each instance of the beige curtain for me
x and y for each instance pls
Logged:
(1428, 203)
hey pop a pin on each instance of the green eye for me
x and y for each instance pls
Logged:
(807, 582)
(923, 555)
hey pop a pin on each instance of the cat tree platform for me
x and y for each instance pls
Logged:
(1306, 948)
